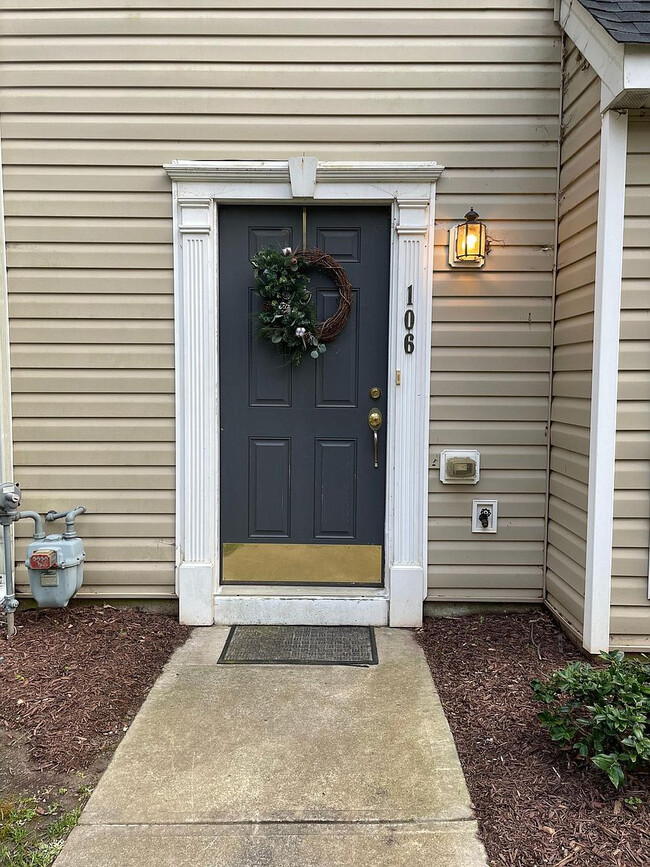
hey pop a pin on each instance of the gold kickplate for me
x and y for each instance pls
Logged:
(263, 563)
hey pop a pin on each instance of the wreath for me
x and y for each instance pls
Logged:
(288, 315)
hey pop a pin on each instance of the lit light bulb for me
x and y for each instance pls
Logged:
(472, 242)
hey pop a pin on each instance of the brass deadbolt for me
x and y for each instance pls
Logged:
(375, 393)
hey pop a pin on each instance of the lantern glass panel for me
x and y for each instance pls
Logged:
(470, 242)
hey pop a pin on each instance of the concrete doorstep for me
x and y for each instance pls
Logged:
(283, 766)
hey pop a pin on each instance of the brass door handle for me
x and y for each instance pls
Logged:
(375, 420)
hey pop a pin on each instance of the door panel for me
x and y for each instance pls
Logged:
(301, 500)
(269, 488)
(335, 489)
(343, 244)
(337, 372)
(269, 236)
(268, 384)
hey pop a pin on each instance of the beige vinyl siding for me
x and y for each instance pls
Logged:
(573, 341)
(98, 94)
(490, 354)
(630, 613)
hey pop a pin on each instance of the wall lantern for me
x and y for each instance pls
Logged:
(468, 243)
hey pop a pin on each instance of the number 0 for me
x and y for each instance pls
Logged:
(409, 343)
(409, 320)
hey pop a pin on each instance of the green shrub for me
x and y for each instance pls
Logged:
(601, 713)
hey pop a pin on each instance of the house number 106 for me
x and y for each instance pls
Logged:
(409, 322)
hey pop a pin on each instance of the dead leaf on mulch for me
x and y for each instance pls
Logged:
(536, 807)
(73, 678)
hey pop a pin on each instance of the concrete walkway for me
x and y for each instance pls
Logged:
(283, 766)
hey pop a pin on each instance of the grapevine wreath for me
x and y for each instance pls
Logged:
(288, 314)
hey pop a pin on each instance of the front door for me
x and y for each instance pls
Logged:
(302, 479)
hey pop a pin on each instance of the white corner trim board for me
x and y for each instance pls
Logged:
(198, 189)
(604, 385)
(6, 456)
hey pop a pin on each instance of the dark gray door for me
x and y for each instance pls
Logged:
(301, 499)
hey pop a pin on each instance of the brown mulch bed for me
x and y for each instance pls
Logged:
(535, 805)
(73, 679)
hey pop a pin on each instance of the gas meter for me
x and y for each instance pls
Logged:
(55, 562)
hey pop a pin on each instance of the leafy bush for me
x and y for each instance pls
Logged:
(601, 713)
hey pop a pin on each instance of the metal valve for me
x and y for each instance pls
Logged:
(10, 495)
(484, 518)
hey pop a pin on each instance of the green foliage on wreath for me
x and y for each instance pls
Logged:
(288, 314)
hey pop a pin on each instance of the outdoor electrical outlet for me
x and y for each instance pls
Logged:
(484, 516)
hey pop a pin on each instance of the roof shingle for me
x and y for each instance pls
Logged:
(624, 20)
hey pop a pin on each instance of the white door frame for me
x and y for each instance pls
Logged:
(198, 190)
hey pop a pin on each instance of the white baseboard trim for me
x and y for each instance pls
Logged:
(195, 592)
(406, 602)
(295, 611)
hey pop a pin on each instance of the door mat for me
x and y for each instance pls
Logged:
(300, 645)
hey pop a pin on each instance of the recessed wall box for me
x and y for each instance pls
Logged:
(484, 516)
(459, 466)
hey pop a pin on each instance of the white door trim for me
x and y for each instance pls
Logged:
(604, 382)
(198, 190)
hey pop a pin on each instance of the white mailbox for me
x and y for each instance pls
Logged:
(459, 466)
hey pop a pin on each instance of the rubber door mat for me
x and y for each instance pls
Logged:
(300, 645)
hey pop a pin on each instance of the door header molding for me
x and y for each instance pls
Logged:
(278, 172)
(199, 187)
